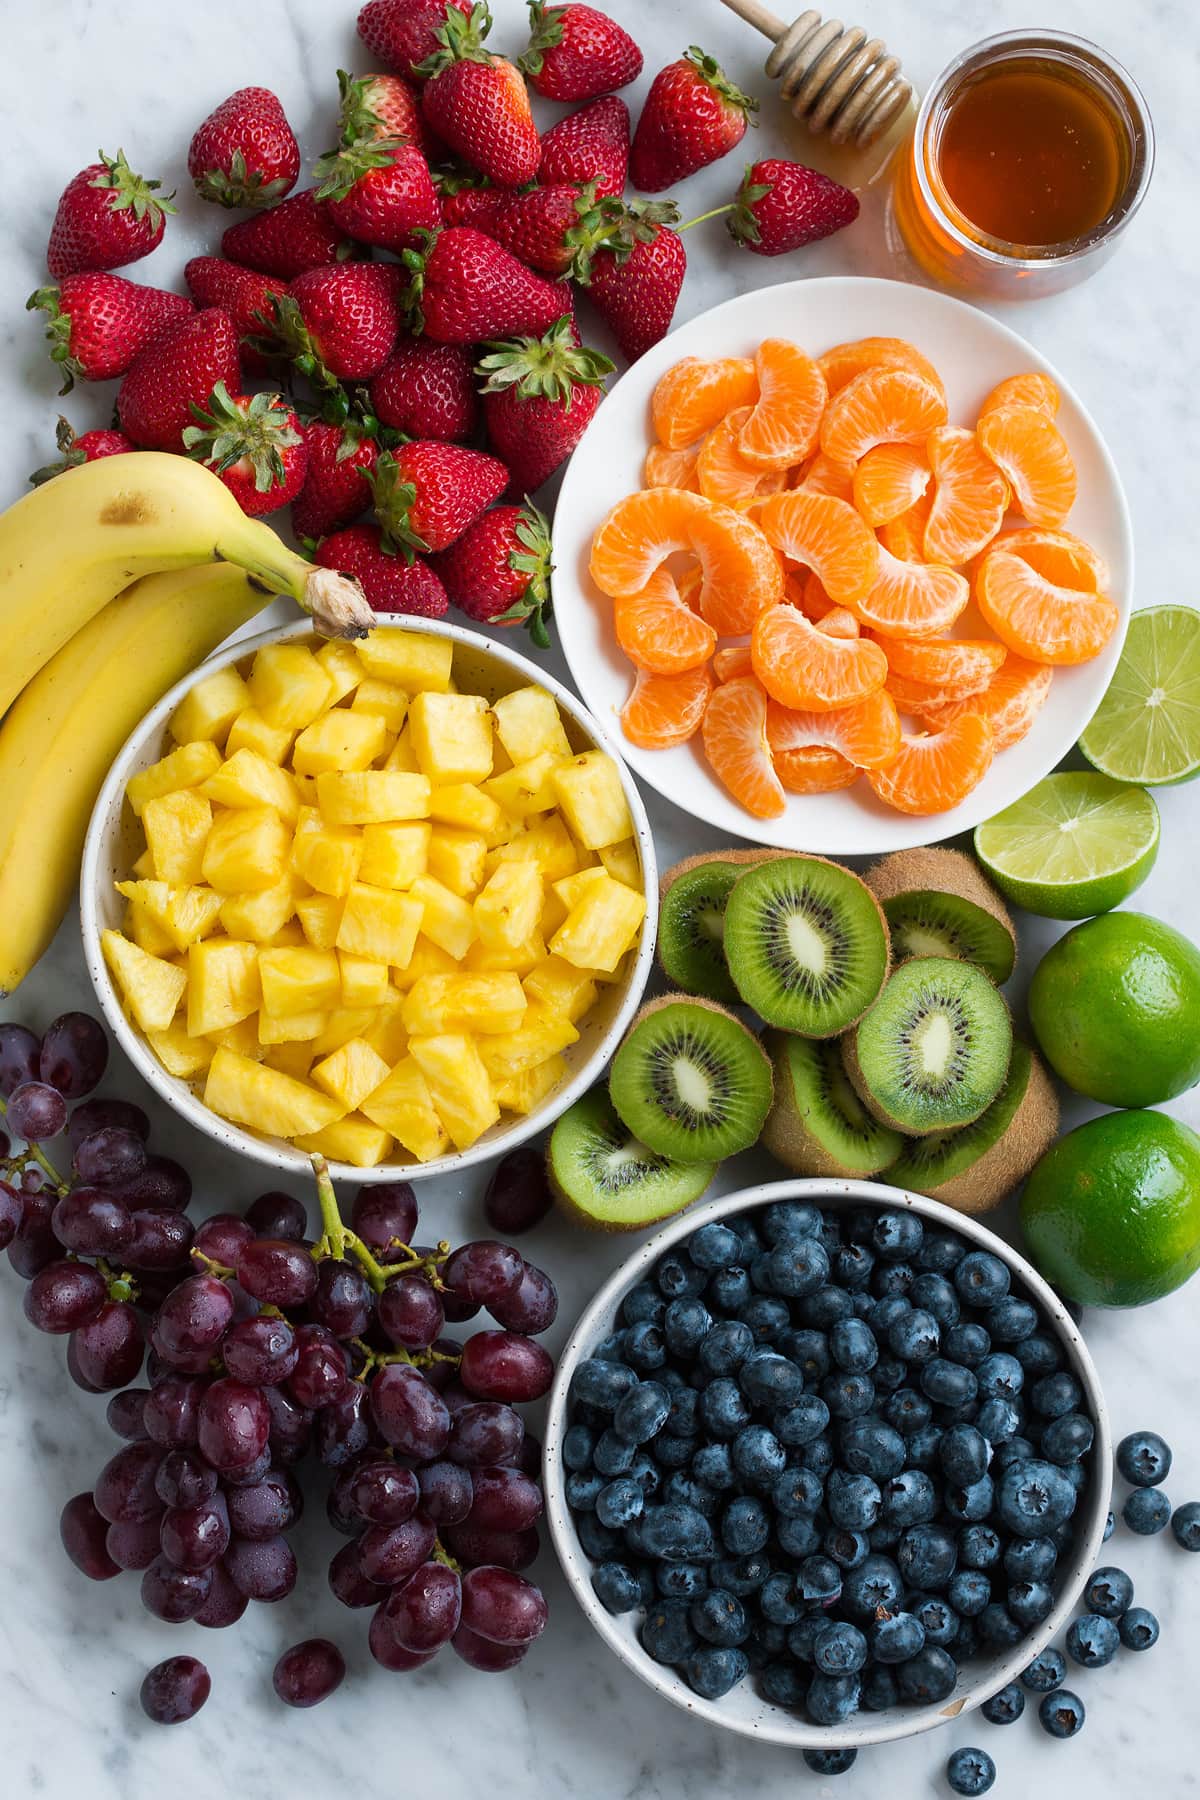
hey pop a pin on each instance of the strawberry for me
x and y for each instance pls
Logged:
(97, 323)
(379, 192)
(426, 390)
(246, 296)
(402, 33)
(380, 106)
(107, 216)
(288, 239)
(178, 371)
(539, 395)
(334, 491)
(554, 229)
(254, 443)
(426, 494)
(390, 583)
(468, 200)
(783, 205)
(576, 52)
(464, 287)
(340, 323)
(245, 153)
(477, 103)
(692, 116)
(499, 570)
(591, 144)
(634, 282)
(89, 446)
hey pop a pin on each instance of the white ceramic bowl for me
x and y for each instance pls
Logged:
(743, 1710)
(480, 666)
(973, 352)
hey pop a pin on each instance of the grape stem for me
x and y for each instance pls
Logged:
(338, 1241)
(16, 1165)
(222, 1271)
(379, 1359)
(440, 1554)
(120, 1287)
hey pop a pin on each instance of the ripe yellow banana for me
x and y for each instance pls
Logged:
(69, 547)
(59, 739)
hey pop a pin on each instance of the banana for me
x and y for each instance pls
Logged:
(69, 547)
(60, 738)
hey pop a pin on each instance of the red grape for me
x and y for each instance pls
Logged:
(383, 1213)
(387, 1652)
(481, 1654)
(272, 1505)
(222, 1238)
(343, 1301)
(125, 1413)
(161, 1184)
(93, 1223)
(308, 1673)
(262, 1569)
(73, 1054)
(485, 1432)
(107, 1352)
(277, 1272)
(262, 1349)
(184, 1479)
(500, 1365)
(34, 1244)
(390, 1553)
(446, 1492)
(410, 1312)
(161, 1240)
(18, 1058)
(423, 1612)
(133, 1544)
(484, 1271)
(320, 1375)
(505, 1500)
(502, 1606)
(291, 1426)
(518, 1194)
(383, 1493)
(174, 1690)
(36, 1112)
(276, 1215)
(409, 1412)
(82, 1527)
(63, 1296)
(508, 1549)
(347, 1581)
(171, 1413)
(11, 1211)
(225, 1603)
(532, 1307)
(109, 1156)
(100, 1115)
(193, 1317)
(343, 1428)
(125, 1485)
(172, 1594)
(193, 1537)
(233, 1424)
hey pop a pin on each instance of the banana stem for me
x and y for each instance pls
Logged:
(336, 603)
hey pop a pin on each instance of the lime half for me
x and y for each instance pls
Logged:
(1147, 728)
(1077, 844)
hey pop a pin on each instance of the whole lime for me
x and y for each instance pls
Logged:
(1116, 1008)
(1112, 1211)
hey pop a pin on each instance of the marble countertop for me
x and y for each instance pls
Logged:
(571, 1720)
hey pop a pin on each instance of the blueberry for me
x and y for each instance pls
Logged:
(909, 1499)
(928, 1676)
(610, 1348)
(725, 1348)
(745, 1526)
(797, 1267)
(1010, 1320)
(967, 1343)
(1061, 1713)
(1030, 1559)
(680, 1273)
(871, 1448)
(897, 1235)
(680, 1580)
(783, 1684)
(720, 1618)
(801, 1422)
(981, 1279)
(797, 1493)
(975, 1501)
(840, 1649)
(809, 1350)
(715, 1246)
(978, 1547)
(915, 1337)
(1034, 1497)
(970, 1771)
(724, 1409)
(798, 1538)
(601, 1384)
(768, 1379)
(617, 1586)
(741, 1575)
(1144, 1459)
(936, 1295)
(923, 1447)
(927, 1555)
(596, 1540)
(581, 1487)
(998, 1627)
(969, 1592)
(645, 1347)
(964, 1454)
(676, 1531)
(765, 1318)
(853, 1346)
(671, 1452)
(743, 1224)
(713, 1465)
(1109, 1593)
(758, 1456)
(852, 1500)
(712, 1672)
(1110, 1525)
(896, 1637)
(1038, 1355)
(999, 1421)
(1077, 1474)
(780, 1599)
(1092, 1641)
(642, 1412)
(578, 1443)
(852, 1265)
(1009, 1450)
(1006, 1707)
(684, 1490)
(684, 1415)
(830, 1762)
(830, 1231)
(786, 1220)
(879, 1690)
(884, 1537)
(685, 1324)
(848, 1396)
(1030, 1602)
(1055, 1395)
(908, 1411)
(818, 1455)
(964, 1645)
(1000, 1376)
(1138, 1629)
(643, 1304)
(646, 1473)
(666, 1635)
(889, 1374)
(874, 1584)
(729, 1289)
(936, 1617)
(619, 1503)
(1146, 1511)
(1185, 1525)
(823, 1309)
(819, 1580)
(832, 1699)
(845, 1547)
(941, 1251)
(892, 1280)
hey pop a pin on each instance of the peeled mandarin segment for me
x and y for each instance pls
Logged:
(732, 661)
(671, 468)
(1030, 450)
(827, 536)
(867, 734)
(783, 426)
(1030, 389)
(741, 574)
(823, 476)
(658, 632)
(912, 599)
(970, 496)
(1011, 702)
(723, 473)
(946, 662)
(838, 622)
(905, 537)
(693, 395)
(883, 406)
(1060, 556)
(665, 710)
(813, 770)
(1041, 622)
(841, 364)
(803, 589)
(802, 668)
(889, 479)
(933, 774)
(735, 743)
(640, 533)
(919, 697)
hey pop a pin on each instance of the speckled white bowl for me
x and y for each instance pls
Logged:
(480, 666)
(743, 1710)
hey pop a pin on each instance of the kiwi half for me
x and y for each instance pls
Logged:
(806, 943)
(691, 1081)
(934, 1051)
(817, 1124)
(939, 904)
(691, 921)
(973, 1169)
(606, 1179)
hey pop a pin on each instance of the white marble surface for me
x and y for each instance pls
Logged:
(571, 1721)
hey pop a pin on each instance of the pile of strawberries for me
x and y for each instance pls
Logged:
(354, 343)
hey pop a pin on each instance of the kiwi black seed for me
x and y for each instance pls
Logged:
(605, 1178)
(691, 1081)
(939, 903)
(934, 1050)
(973, 1169)
(806, 943)
(691, 921)
(817, 1124)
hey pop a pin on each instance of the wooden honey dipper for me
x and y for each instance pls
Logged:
(840, 83)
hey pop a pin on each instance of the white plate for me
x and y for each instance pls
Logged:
(972, 352)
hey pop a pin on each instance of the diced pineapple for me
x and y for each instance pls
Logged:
(402, 756)
(289, 686)
(427, 958)
(241, 1038)
(260, 917)
(319, 916)
(251, 1094)
(306, 788)
(572, 888)
(365, 980)
(541, 1034)
(456, 858)
(180, 1054)
(484, 1003)
(521, 959)
(341, 739)
(623, 862)
(351, 1073)
(547, 843)
(393, 856)
(383, 698)
(380, 923)
(177, 827)
(352, 1140)
(250, 731)
(554, 914)
(591, 796)
(289, 935)
(211, 707)
(411, 660)
(451, 736)
(387, 1034)
(299, 980)
(248, 779)
(297, 1028)
(447, 919)
(459, 1086)
(597, 932)
(525, 1092)
(143, 868)
(372, 796)
(328, 858)
(527, 788)
(150, 987)
(402, 1106)
(528, 723)
(508, 909)
(292, 1059)
(341, 1025)
(222, 984)
(561, 988)
(339, 660)
(469, 808)
(246, 850)
(146, 932)
(183, 768)
(183, 914)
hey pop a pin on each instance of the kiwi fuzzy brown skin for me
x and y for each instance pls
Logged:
(1005, 1165)
(785, 1135)
(740, 857)
(938, 871)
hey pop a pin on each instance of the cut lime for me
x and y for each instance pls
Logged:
(1077, 844)
(1147, 728)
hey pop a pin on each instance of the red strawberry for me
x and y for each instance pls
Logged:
(539, 395)
(554, 229)
(402, 33)
(576, 52)
(89, 446)
(390, 583)
(97, 323)
(477, 103)
(288, 239)
(499, 570)
(426, 494)
(591, 144)
(254, 443)
(245, 153)
(783, 205)
(634, 283)
(464, 287)
(468, 200)
(334, 491)
(107, 216)
(426, 390)
(380, 106)
(692, 116)
(379, 192)
(246, 296)
(340, 323)
(178, 371)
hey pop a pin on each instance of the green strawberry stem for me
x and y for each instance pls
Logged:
(58, 334)
(393, 500)
(710, 71)
(257, 431)
(240, 186)
(534, 607)
(545, 33)
(130, 191)
(339, 170)
(700, 218)
(460, 40)
(547, 367)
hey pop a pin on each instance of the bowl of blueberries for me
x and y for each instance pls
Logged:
(827, 1463)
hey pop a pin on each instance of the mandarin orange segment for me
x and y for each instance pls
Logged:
(741, 572)
(839, 622)
(882, 406)
(912, 599)
(811, 769)
(970, 496)
(889, 479)
(665, 710)
(723, 472)
(1031, 389)
(694, 394)
(731, 661)
(783, 425)
(1040, 621)
(1011, 702)
(658, 632)
(866, 733)
(1030, 450)
(803, 668)
(671, 468)
(904, 537)
(823, 476)
(827, 536)
(802, 588)
(958, 665)
(918, 697)
(734, 733)
(1060, 556)
(934, 773)
(640, 533)
(841, 364)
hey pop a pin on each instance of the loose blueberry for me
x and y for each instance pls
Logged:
(1061, 1714)
(1046, 1672)
(1144, 1459)
(830, 1762)
(1138, 1629)
(1109, 1593)
(1092, 1641)
(971, 1772)
(1006, 1707)
(1146, 1511)
(1185, 1525)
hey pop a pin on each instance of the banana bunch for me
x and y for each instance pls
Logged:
(116, 579)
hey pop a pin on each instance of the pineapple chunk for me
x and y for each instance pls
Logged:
(457, 858)
(572, 889)
(527, 788)
(250, 731)
(402, 1106)
(413, 661)
(364, 980)
(529, 724)
(319, 916)
(177, 827)
(341, 739)
(547, 843)
(222, 984)
(150, 987)
(289, 686)
(352, 1140)
(427, 958)
(483, 1003)
(372, 796)
(299, 980)
(597, 932)
(592, 799)
(248, 779)
(246, 851)
(183, 914)
(180, 1055)
(401, 755)
(509, 908)
(211, 707)
(542, 1034)
(393, 856)
(183, 768)
(623, 863)
(241, 1038)
(292, 1059)
(340, 663)
(383, 698)
(561, 988)
(251, 1094)
(327, 857)
(380, 923)
(351, 1073)
(289, 935)
(143, 868)
(259, 917)
(524, 1092)
(387, 1034)
(297, 1028)
(146, 932)
(521, 960)
(459, 1086)
(451, 736)
(341, 1025)
(469, 808)
(447, 919)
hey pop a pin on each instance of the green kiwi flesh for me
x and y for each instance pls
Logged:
(806, 943)
(934, 1051)
(817, 1124)
(938, 903)
(691, 1081)
(691, 930)
(604, 1178)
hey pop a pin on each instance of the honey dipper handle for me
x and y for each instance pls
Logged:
(761, 17)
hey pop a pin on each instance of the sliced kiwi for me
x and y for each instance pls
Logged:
(691, 1080)
(817, 1123)
(973, 1169)
(938, 903)
(934, 1051)
(606, 1179)
(806, 943)
(691, 920)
